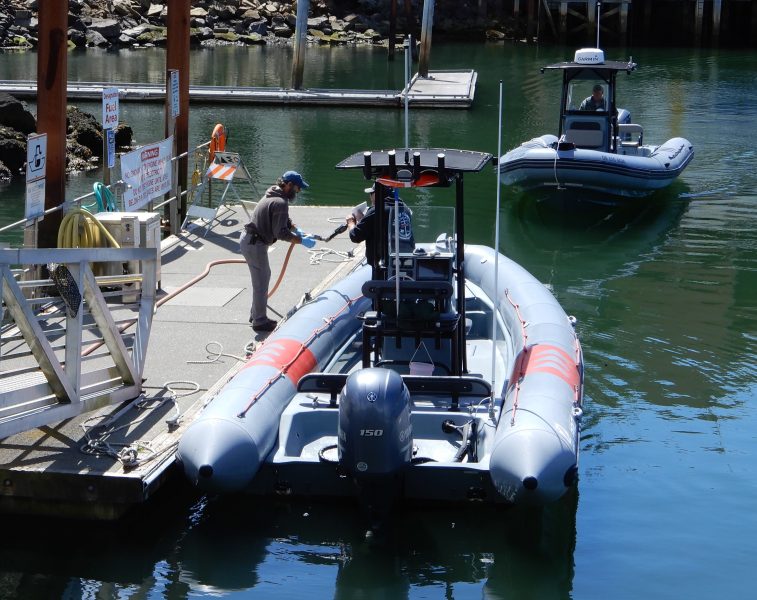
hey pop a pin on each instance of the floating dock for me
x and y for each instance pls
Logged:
(441, 89)
(201, 335)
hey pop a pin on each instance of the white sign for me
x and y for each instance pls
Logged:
(174, 87)
(35, 199)
(36, 156)
(111, 139)
(147, 172)
(110, 108)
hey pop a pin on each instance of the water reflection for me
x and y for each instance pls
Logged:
(224, 546)
(505, 552)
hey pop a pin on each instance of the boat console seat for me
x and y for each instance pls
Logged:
(586, 133)
(422, 317)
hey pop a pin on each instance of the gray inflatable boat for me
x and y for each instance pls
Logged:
(444, 372)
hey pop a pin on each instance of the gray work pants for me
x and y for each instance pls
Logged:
(256, 256)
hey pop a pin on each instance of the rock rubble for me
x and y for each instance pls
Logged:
(142, 23)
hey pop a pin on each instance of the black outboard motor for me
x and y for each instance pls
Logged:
(375, 436)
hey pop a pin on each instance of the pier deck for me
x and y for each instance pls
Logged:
(441, 89)
(45, 472)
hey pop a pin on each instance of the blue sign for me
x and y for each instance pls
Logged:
(111, 133)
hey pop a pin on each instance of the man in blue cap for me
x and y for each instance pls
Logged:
(270, 222)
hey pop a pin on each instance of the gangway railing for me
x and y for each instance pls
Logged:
(77, 340)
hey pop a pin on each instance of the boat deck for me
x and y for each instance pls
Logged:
(45, 471)
(441, 89)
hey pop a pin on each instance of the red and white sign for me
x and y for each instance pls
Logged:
(147, 172)
(225, 172)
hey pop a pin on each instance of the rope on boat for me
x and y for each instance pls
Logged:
(328, 321)
(326, 254)
(554, 165)
(518, 367)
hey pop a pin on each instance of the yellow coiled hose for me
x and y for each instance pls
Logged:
(80, 229)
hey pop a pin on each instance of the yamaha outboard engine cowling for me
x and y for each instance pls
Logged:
(375, 435)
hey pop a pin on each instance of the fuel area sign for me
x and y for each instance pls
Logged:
(110, 108)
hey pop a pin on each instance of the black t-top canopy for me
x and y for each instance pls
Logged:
(459, 161)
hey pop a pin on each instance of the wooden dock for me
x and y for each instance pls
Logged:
(441, 89)
(100, 464)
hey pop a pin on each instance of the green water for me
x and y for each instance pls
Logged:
(665, 297)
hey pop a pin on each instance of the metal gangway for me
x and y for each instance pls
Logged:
(75, 339)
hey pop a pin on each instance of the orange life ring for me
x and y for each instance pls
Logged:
(217, 141)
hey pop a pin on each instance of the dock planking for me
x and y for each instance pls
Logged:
(201, 336)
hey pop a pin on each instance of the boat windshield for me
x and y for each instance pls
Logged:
(423, 233)
(418, 224)
(587, 95)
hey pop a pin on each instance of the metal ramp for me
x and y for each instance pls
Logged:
(227, 168)
(66, 344)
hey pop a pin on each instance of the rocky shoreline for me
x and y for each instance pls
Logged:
(142, 23)
(84, 139)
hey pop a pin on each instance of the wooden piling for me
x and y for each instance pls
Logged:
(177, 57)
(426, 28)
(52, 78)
(300, 33)
(716, 12)
(392, 29)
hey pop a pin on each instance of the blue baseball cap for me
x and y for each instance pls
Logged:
(295, 178)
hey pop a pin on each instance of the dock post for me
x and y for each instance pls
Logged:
(52, 78)
(392, 29)
(563, 22)
(300, 31)
(647, 16)
(532, 20)
(591, 21)
(717, 6)
(426, 27)
(698, 21)
(177, 57)
(624, 21)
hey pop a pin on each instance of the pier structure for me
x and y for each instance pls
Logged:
(622, 21)
(110, 447)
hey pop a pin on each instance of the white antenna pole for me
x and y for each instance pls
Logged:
(496, 256)
(599, 14)
(408, 59)
(397, 250)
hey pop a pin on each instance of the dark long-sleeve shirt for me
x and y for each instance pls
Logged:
(270, 218)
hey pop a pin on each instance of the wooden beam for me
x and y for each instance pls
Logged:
(52, 79)
(698, 21)
(717, 7)
(177, 57)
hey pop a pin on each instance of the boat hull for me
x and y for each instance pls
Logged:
(539, 164)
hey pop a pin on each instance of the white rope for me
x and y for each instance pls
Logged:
(132, 455)
(326, 254)
(214, 356)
